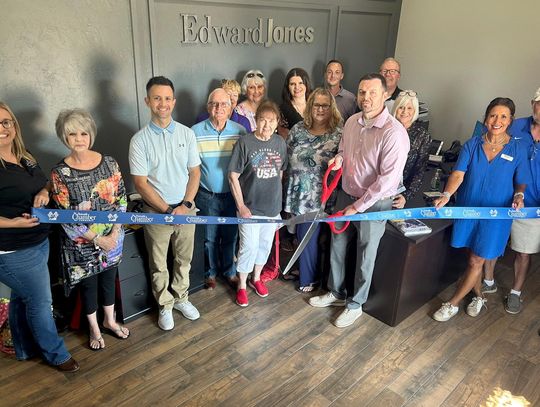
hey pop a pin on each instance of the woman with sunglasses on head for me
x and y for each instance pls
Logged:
(406, 110)
(294, 94)
(491, 171)
(311, 144)
(24, 250)
(254, 89)
(88, 180)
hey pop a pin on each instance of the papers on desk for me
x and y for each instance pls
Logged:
(410, 227)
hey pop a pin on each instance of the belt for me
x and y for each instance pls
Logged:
(201, 189)
(355, 198)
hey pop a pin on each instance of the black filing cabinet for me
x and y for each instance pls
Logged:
(134, 276)
(136, 296)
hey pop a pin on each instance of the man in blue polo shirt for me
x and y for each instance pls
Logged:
(164, 163)
(216, 137)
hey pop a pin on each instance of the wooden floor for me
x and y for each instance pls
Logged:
(281, 352)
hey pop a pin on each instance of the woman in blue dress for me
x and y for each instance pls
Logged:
(491, 171)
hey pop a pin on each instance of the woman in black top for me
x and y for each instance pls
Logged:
(24, 250)
(406, 109)
(296, 90)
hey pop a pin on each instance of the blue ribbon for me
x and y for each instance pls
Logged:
(131, 218)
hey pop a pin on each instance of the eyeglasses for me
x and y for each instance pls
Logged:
(411, 93)
(318, 106)
(253, 74)
(390, 71)
(7, 123)
(215, 105)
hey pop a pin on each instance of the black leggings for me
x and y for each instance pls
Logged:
(101, 287)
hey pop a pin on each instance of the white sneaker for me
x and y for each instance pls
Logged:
(474, 308)
(187, 309)
(347, 317)
(446, 312)
(166, 320)
(326, 300)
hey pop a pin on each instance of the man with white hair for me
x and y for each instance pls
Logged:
(216, 137)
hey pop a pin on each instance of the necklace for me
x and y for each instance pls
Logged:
(494, 145)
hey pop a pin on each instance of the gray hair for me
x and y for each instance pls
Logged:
(253, 75)
(391, 59)
(403, 98)
(73, 120)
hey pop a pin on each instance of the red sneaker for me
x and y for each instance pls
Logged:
(259, 288)
(242, 298)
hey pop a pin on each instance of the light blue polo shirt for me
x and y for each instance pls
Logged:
(215, 149)
(164, 156)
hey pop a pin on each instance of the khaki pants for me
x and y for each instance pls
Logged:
(157, 238)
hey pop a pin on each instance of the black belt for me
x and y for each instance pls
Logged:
(201, 189)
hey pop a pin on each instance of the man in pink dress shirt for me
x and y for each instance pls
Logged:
(373, 151)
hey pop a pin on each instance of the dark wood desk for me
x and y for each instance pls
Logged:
(410, 271)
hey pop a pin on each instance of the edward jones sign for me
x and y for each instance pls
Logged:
(200, 30)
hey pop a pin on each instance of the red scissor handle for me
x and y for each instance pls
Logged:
(333, 225)
(328, 189)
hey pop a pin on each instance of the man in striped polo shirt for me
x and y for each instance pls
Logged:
(216, 137)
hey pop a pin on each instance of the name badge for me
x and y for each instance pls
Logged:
(507, 157)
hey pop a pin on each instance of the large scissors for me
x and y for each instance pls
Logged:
(320, 214)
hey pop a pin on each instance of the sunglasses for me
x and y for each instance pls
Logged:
(411, 93)
(252, 75)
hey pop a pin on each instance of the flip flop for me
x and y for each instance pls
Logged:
(307, 289)
(96, 344)
(118, 332)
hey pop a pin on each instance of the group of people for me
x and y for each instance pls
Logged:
(253, 159)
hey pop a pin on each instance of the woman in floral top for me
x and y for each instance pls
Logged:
(87, 180)
(311, 143)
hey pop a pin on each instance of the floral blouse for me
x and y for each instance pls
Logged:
(99, 189)
(308, 161)
(240, 109)
(417, 159)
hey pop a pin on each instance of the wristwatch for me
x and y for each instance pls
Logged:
(169, 210)
(187, 204)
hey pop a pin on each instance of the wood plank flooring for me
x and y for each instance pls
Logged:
(279, 351)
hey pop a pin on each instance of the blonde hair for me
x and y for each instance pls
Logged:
(231, 84)
(72, 120)
(402, 100)
(18, 149)
(335, 115)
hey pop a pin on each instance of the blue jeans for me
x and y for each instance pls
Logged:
(219, 240)
(30, 314)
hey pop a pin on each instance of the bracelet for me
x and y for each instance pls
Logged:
(447, 195)
(94, 240)
(521, 194)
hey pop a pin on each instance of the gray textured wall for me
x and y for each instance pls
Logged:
(99, 54)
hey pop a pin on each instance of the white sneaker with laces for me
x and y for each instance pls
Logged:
(166, 320)
(474, 308)
(187, 309)
(326, 300)
(347, 317)
(446, 312)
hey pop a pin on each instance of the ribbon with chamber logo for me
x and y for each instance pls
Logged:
(135, 218)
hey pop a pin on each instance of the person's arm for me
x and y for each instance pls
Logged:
(43, 196)
(390, 171)
(149, 194)
(236, 191)
(194, 177)
(23, 221)
(454, 181)
(419, 167)
(518, 201)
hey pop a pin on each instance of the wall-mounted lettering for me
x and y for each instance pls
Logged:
(196, 30)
